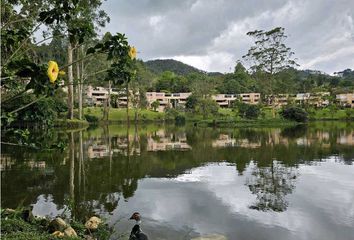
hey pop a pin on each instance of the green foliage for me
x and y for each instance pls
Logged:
(162, 65)
(191, 102)
(294, 114)
(155, 105)
(238, 82)
(122, 68)
(269, 54)
(247, 111)
(14, 227)
(206, 107)
(180, 120)
(91, 118)
(170, 82)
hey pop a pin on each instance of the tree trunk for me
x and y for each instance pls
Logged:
(78, 77)
(136, 116)
(108, 99)
(70, 83)
(72, 169)
(81, 80)
(127, 92)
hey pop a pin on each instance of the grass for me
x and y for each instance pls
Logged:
(119, 114)
(225, 116)
(14, 227)
(331, 114)
(71, 123)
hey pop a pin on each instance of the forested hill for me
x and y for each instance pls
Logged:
(161, 65)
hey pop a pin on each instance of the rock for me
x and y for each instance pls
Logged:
(27, 215)
(8, 212)
(57, 224)
(70, 232)
(58, 234)
(88, 237)
(211, 237)
(92, 223)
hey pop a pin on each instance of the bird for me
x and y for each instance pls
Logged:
(136, 233)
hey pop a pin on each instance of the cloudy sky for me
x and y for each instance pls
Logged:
(211, 34)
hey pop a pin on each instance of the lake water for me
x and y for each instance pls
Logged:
(252, 183)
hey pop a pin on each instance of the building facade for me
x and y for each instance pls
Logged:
(226, 100)
(345, 99)
(167, 100)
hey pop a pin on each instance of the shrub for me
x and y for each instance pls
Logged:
(155, 105)
(248, 111)
(294, 114)
(180, 120)
(91, 118)
(191, 102)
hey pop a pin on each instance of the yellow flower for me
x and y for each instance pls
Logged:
(132, 52)
(53, 71)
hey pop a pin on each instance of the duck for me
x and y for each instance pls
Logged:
(137, 233)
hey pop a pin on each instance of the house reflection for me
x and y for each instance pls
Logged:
(98, 151)
(162, 141)
(282, 137)
(346, 139)
(129, 146)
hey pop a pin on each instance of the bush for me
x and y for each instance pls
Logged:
(191, 102)
(294, 114)
(180, 120)
(248, 111)
(91, 118)
(206, 107)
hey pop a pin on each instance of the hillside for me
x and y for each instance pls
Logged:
(161, 65)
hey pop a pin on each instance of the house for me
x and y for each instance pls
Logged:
(346, 99)
(97, 96)
(167, 99)
(318, 99)
(226, 100)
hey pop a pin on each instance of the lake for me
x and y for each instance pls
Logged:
(247, 183)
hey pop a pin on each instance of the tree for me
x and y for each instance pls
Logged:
(247, 111)
(206, 107)
(77, 19)
(191, 102)
(202, 86)
(294, 114)
(155, 104)
(237, 82)
(271, 185)
(269, 54)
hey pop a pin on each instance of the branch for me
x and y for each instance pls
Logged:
(16, 96)
(23, 43)
(27, 105)
(98, 72)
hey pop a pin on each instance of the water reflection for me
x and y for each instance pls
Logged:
(271, 185)
(113, 170)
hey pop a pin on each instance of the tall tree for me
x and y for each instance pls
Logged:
(269, 55)
(79, 19)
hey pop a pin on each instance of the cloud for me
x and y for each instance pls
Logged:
(211, 34)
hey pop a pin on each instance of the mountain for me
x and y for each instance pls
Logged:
(161, 65)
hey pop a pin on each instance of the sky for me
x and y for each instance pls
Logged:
(211, 34)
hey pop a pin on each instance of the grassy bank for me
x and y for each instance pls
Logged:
(20, 224)
(119, 115)
(224, 118)
(71, 124)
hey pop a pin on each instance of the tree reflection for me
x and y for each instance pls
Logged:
(271, 185)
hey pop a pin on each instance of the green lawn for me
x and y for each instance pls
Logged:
(119, 114)
(224, 115)
(327, 113)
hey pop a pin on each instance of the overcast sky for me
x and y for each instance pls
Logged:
(211, 34)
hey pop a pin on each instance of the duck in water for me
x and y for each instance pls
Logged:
(136, 233)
